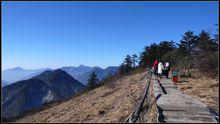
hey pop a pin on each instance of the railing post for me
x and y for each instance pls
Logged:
(138, 109)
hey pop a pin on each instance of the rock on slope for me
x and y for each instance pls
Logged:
(103, 104)
(46, 87)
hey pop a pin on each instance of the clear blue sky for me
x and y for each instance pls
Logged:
(55, 34)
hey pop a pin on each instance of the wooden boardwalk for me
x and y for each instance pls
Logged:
(176, 107)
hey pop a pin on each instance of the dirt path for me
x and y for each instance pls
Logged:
(103, 104)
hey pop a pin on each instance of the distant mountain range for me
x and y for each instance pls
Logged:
(101, 74)
(32, 93)
(18, 74)
(4, 83)
(30, 89)
(74, 71)
(81, 73)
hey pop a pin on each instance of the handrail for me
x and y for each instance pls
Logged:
(136, 114)
(214, 113)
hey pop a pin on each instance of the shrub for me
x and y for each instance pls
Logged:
(208, 64)
(173, 57)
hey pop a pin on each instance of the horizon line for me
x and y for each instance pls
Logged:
(103, 67)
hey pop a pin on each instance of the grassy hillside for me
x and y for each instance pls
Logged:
(106, 103)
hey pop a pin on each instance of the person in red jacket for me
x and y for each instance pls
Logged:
(155, 66)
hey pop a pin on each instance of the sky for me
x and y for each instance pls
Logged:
(55, 34)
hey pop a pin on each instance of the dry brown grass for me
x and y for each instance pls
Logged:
(204, 89)
(151, 114)
(103, 104)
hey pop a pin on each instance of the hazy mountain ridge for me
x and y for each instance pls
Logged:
(46, 87)
(81, 73)
(17, 74)
(4, 83)
(101, 73)
(74, 71)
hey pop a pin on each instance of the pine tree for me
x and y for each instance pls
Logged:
(128, 64)
(206, 43)
(143, 58)
(93, 80)
(149, 54)
(122, 69)
(216, 36)
(187, 43)
(164, 48)
(134, 60)
(153, 53)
